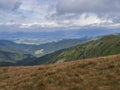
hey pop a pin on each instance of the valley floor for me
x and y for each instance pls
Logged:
(92, 74)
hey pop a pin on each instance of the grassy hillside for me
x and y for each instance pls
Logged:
(107, 45)
(19, 54)
(55, 46)
(10, 56)
(91, 74)
(44, 49)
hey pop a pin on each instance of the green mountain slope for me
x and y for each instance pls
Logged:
(43, 49)
(9, 56)
(19, 54)
(55, 46)
(107, 45)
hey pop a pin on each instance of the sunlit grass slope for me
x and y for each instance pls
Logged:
(108, 45)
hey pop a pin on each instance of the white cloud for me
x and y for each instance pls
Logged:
(36, 24)
(59, 13)
(87, 19)
(80, 20)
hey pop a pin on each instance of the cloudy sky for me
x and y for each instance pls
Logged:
(59, 14)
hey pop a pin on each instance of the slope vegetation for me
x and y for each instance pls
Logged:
(46, 48)
(9, 56)
(108, 45)
(91, 74)
(19, 54)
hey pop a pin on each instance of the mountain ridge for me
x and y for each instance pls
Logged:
(107, 45)
(47, 48)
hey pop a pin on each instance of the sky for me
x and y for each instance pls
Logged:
(58, 14)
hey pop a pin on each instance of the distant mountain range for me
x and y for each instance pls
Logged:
(107, 45)
(33, 37)
(43, 49)
(12, 53)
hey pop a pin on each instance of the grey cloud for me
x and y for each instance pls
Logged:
(80, 6)
(8, 5)
(67, 13)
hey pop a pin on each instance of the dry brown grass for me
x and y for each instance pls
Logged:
(92, 74)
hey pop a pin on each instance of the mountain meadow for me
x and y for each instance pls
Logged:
(101, 73)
